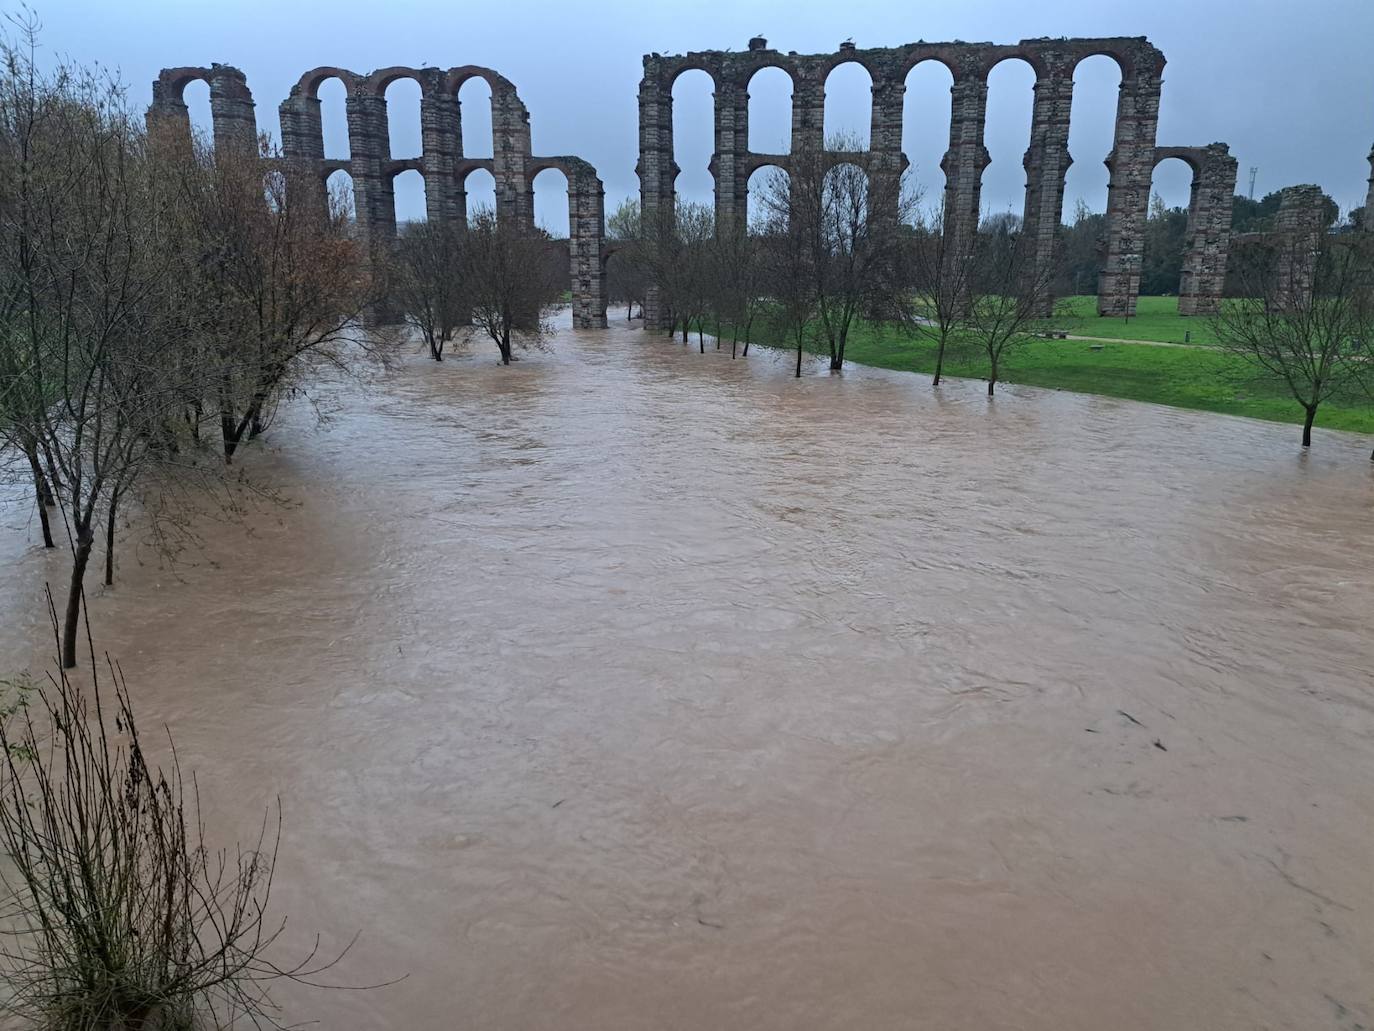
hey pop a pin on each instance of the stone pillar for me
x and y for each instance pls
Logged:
(1128, 195)
(808, 106)
(1047, 162)
(586, 242)
(441, 146)
(732, 144)
(302, 138)
(885, 133)
(369, 148)
(1298, 228)
(1369, 199)
(168, 117)
(1209, 232)
(231, 110)
(656, 170)
(966, 157)
(302, 127)
(510, 130)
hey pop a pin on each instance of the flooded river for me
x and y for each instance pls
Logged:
(630, 688)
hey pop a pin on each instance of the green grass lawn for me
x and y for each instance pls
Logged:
(1156, 319)
(1208, 379)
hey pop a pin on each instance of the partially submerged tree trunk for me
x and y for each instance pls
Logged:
(1309, 417)
(110, 538)
(71, 623)
(42, 492)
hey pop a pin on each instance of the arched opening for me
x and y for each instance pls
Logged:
(1092, 132)
(1006, 134)
(848, 107)
(1166, 228)
(694, 143)
(481, 190)
(408, 192)
(551, 202)
(925, 130)
(403, 118)
(196, 96)
(333, 96)
(339, 187)
(770, 111)
(767, 199)
(474, 114)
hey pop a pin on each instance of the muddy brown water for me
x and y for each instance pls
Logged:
(632, 688)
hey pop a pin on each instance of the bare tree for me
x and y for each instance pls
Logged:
(87, 255)
(786, 256)
(851, 221)
(735, 295)
(510, 287)
(939, 270)
(625, 273)
(279, 280)
(1009, 291)
(120, 914)
(425, 285)
(1306, 317)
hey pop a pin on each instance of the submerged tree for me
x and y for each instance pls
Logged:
(120, 913)
(1306, 317)
(625, 273)
(425, 285)
(511, 290)
(1009, 291)
(851, 221)
(277, 280)
(90, 343)
(939, 269)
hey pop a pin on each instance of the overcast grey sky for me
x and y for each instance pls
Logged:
(1287, 83)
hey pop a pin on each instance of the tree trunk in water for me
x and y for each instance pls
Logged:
(991, 383)
(799, 356)
(72, 622)
(42, 494)
(701, 339)
(939, 362)
(109, 539)
(684, 331)
(1307, 422)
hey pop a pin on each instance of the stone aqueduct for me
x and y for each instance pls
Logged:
(1131, 162)
(513, 166)
(442, 163)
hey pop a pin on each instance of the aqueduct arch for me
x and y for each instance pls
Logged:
(441, 162)
(1131, 162)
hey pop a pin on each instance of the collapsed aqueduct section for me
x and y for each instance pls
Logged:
(1131, 162)
(442, 164)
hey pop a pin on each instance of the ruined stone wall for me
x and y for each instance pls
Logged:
(442, 163)
(1298, 229)
(1046, 161)
(1208, 235)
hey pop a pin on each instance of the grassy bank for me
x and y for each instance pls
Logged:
(1201, 378)
(1156, 319)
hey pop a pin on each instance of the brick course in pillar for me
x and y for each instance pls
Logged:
(442, 163)
(1046, 161)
